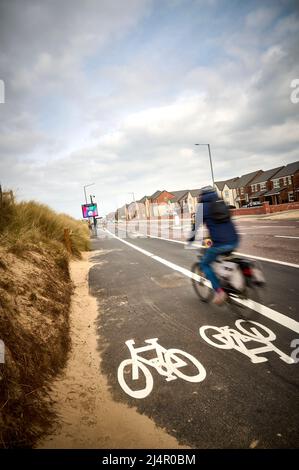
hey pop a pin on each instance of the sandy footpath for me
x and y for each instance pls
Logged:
(89, 418)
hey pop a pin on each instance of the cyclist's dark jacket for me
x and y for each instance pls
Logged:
(221, 233)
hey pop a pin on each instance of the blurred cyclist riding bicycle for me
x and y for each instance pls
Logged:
(215, 214)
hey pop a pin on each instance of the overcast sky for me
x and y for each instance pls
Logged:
(117, 92)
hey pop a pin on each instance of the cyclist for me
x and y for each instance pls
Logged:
(216, 216)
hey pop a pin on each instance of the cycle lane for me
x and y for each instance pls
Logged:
(279, 300)
(281, 292)
(238, 404)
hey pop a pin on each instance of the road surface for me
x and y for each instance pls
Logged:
(144, 292)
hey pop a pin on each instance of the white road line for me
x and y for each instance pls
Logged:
(260, 258)
(284, 236)
(283, 263)
(265, 226)
(262, 309)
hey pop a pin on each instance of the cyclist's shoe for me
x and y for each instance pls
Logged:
(219, 297)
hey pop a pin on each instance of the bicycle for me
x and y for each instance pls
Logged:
(167, 363)
(226, 337)
(239, 277)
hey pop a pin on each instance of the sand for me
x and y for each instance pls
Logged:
(88, 417)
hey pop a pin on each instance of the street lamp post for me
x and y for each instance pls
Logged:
(211, 165)
(94, 219)
(86, 186)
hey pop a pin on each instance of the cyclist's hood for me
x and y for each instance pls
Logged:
(209, 196)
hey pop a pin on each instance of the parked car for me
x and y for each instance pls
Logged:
(253, 204)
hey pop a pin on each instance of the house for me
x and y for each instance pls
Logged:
(132, 210)
(285, 185)
(180, 200)
(154, 196)
(161, 197)
(261, 184)
(185, 200)
(122, 213)
(144, 205)
(227, 190)
(242, 187)
(195, 194)
(219, 185)
(159, 203)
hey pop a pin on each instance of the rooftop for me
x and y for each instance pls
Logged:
(155, 195)
(288, 170)
(245, 179)
(178, 195)
(266, 175)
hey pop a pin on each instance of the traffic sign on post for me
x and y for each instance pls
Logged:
(89, 210)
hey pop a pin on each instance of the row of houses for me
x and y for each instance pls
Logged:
(160, 203)
(277, 186)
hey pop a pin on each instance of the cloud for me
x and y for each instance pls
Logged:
(118, 95)
(261, 17)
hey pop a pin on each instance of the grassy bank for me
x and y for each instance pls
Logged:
(35, 293)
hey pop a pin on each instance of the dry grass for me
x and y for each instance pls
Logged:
(35, 293)
(25, 225)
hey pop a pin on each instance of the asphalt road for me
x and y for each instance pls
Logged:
(275, 239)
(238, 403)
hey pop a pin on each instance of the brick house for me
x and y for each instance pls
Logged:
(145, 206)
(261, 184)
(285, 185)
(159, 203)
(161, 197)
(242, 187)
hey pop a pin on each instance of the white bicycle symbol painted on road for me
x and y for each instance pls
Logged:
(167, 363)
(228, 338)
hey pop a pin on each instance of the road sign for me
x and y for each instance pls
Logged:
(89, 210)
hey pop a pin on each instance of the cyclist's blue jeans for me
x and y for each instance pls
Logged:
(208, 258)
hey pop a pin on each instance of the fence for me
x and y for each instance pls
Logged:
(4, 194)
(265, 208)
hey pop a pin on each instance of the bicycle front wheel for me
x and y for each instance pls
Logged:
(200, 284)
(256, 330)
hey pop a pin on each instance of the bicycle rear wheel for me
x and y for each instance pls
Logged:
(125, 379)
(200, 284)
(255, 293)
